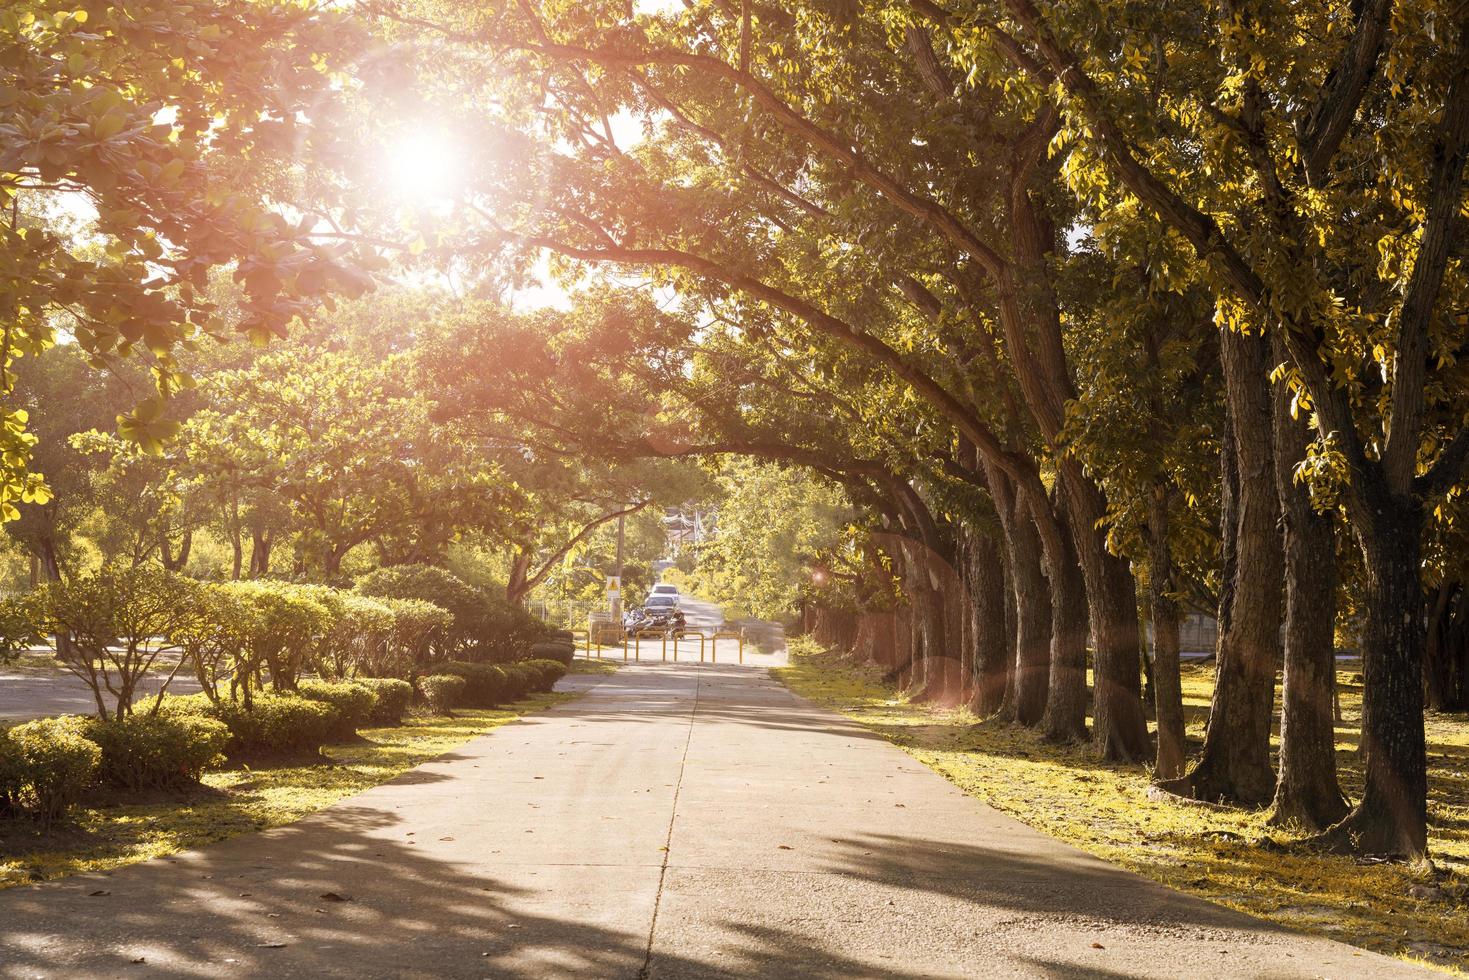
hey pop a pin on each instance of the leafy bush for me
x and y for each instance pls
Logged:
(416, 626)
(426, 583)
(354, 703)
(486, 625)
(442, 691)
(561, 651)
(216, 638)
(45, 767)
(506, 631)
(160, 752)
(357, 628)
(484, 684)
(393, 698)
(22, 624)
(113, 617)
(272, 724)
(286, 621)
(550, 672)
(520, 680)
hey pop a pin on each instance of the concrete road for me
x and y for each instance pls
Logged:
(675, 822)
(49, 690)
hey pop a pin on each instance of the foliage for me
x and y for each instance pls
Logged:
(777, 528)
(45, 767)
(167, 751)
(286, 621)
(442, 692)
(426, 583)
(548, 673)
(175, 193)
(113, 618)
(485, 685)
(417, 626)
(215, 637)
(270, 725)
(22, 625)
(560, 651)
(394, 697)
(355, 703)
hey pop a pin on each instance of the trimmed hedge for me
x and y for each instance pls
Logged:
(484, 684)
(273, 724)
(561, 651)
(162, 752)
(442, 691)
(354, 703)
(520, 679)
(45, 767)
(393, 698)
(550, 672)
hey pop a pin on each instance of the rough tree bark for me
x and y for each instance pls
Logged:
(1167, 682)
(1064, 719)
(1235, 762)
(988, 582)
(1026, 696)
(1306, 791)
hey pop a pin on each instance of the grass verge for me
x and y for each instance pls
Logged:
(1226, 856)
(240, 799)
(596, 665)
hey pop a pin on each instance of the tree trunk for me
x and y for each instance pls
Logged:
(171, 561)
(1027, 703)
(1306, 790)
(1167, 681)
(260, 545)
(515, 587)
(1392, 817)
(989, 637)
(1064, 719)
(1446, 656)
(1235, 763)
(1119, 726)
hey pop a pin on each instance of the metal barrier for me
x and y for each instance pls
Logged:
(689, 634)
(637, 644)
(586, 644)
(714, 645)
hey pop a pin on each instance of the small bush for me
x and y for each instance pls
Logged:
(561, 651)
(550, 672)
(442, 692)
(354, 703)
(162, 752)
(46, 766)
(520, 680)
(484, 684)
(273, 724)
(393, 698)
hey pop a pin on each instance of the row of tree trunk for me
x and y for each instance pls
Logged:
(998, 617)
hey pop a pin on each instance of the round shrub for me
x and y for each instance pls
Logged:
(561, 651)
(520, 680)
(484, 684)
(550, 672)
(276, 724)
(160, 752)
(393, 698)
(46, 766)
(354, 703)
(441, 691)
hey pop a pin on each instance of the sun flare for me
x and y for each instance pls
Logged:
(424, 165)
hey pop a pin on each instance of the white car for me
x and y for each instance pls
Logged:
(665, 589)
